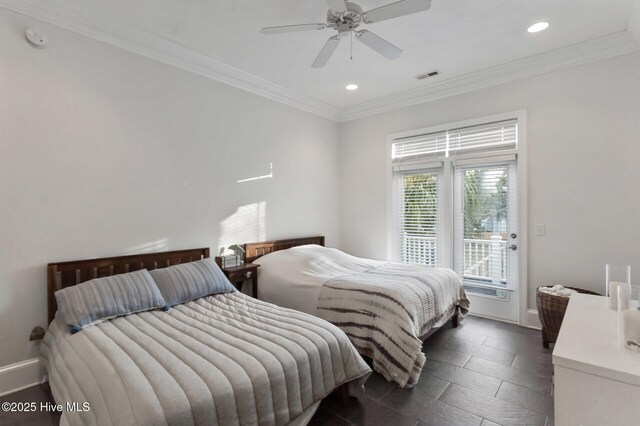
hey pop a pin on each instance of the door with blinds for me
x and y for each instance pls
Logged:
(455, 205)
(486, 234)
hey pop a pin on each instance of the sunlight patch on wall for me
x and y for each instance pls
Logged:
(246, 225)
(150, 247)
(269, 176)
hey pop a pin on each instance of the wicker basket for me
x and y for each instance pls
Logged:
(551, 311)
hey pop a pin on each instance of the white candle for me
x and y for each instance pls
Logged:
(616, 287)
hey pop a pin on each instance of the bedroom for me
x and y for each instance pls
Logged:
(145, 129)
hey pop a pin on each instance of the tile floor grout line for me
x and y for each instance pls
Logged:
(507, 381)
(342, 418)
(389, 391)
(520, 370)
(519, 405)
(489, 347)
(462, 409)
(498, 400)
(498, 390)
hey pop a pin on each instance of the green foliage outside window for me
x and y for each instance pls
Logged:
(483, 199)
(420, 208)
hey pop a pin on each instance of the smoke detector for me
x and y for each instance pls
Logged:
(36, 38)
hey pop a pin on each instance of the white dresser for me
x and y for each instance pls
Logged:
(597, 383)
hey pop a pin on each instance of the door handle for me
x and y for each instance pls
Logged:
(513, 247)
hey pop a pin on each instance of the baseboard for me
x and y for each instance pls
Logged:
(492, 318)
(20, 375)
(532, 320)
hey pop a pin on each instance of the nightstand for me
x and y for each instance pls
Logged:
(246, 271)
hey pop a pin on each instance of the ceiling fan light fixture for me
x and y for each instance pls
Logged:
(351, 86)
(538, 26)
(346, 17)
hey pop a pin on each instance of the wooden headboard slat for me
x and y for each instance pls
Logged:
(66, 274)
(253, 251)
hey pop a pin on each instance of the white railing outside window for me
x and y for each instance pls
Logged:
(419, 249)
(484, 260)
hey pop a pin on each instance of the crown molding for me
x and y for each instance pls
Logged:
(169, 52)
(609, 46)
(161, 49)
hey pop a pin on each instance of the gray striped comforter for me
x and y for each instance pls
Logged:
(226, 359)
(385, 311)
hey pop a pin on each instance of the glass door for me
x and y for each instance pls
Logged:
(485, 237)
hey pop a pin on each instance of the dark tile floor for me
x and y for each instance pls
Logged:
(481, 373)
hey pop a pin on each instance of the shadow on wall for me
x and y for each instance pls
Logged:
(246, 225)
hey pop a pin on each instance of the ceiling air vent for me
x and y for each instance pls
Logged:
(428, 75)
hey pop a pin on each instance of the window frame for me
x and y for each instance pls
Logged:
(527, 317)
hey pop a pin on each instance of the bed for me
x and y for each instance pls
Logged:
(386, 308)
(223, 359)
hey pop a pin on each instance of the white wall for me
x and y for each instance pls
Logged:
(104, 152)
(584, 168)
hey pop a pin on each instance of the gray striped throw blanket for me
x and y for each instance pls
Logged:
(385, 311)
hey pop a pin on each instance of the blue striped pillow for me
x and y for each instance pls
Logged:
(189, 281)
(104, 298)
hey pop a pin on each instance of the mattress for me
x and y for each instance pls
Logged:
(226, 359)
(384, 307)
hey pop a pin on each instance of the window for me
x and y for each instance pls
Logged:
(455, 205)
(418, 165)
(491, 137)
(417, 210)
(485, 197)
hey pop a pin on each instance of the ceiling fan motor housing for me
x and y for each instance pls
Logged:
(345, 22)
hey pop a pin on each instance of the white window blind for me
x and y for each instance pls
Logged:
(434, 145)
(418, 213)
(498, 136)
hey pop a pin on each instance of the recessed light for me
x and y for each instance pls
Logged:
(538, 26)
(351, 86)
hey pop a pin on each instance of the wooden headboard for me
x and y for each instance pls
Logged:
(253, 251)
(67, 274)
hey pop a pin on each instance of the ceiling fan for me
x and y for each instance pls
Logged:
(345, 17)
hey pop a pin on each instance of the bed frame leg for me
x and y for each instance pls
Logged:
(342, 394)
(454, 318)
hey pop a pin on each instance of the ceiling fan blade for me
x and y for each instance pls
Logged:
(293, 28)
(378, 44)
(337, 5)
(326, 52)
(394, 10)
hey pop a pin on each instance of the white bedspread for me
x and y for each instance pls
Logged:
(293, 278)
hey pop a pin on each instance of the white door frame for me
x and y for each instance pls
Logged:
(491, 307)
(522, 190)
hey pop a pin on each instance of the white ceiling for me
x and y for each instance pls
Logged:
(457, 37)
